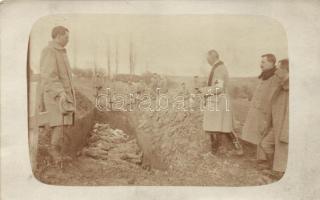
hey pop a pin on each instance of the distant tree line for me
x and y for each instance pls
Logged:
(80, 72)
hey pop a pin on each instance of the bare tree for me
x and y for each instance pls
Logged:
(117, 57)
(94, 65)
(131, 58)
(109, 61)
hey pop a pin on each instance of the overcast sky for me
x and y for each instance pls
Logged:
(166, 44)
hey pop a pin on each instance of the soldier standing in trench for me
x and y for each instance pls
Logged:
(219, 120)
(57, 97)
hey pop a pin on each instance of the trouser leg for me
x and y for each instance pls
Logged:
(215, 143)
(56, 143)
(267, 147)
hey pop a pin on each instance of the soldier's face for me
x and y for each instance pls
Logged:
(64, 39)
(282, 72)
(265, 64)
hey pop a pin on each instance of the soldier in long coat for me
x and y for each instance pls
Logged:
(275, 142)
(218, 116)
(57, 97)
(256, 125)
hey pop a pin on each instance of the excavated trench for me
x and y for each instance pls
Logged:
(168, 139)
(89, 116)
(128, 122)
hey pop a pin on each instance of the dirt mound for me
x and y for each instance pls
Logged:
(83, 104)
(175, 139)
(171, 139)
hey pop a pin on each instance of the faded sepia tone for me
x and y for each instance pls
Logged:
(155, 100)
(172, 45)
(298, 18)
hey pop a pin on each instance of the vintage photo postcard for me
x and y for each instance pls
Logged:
(126, 99)
(149, 100)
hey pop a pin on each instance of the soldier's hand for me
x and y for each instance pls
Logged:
(63, 96)
(262, 127)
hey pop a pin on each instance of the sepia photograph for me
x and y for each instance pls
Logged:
(158, 100)
(154, 100)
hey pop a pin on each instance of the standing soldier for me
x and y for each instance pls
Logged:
(57, 97)
(219, 120)
(275, 142)
(256, 125)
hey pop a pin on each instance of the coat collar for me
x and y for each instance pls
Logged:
(56, 45)
(265, 75)
(218, 61)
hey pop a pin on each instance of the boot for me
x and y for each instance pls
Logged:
(270, 159)
(58, 147)
(236, 144)
(276, 174)
(266, 164)
(55, 153)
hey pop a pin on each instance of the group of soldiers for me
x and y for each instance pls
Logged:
(267, 121)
